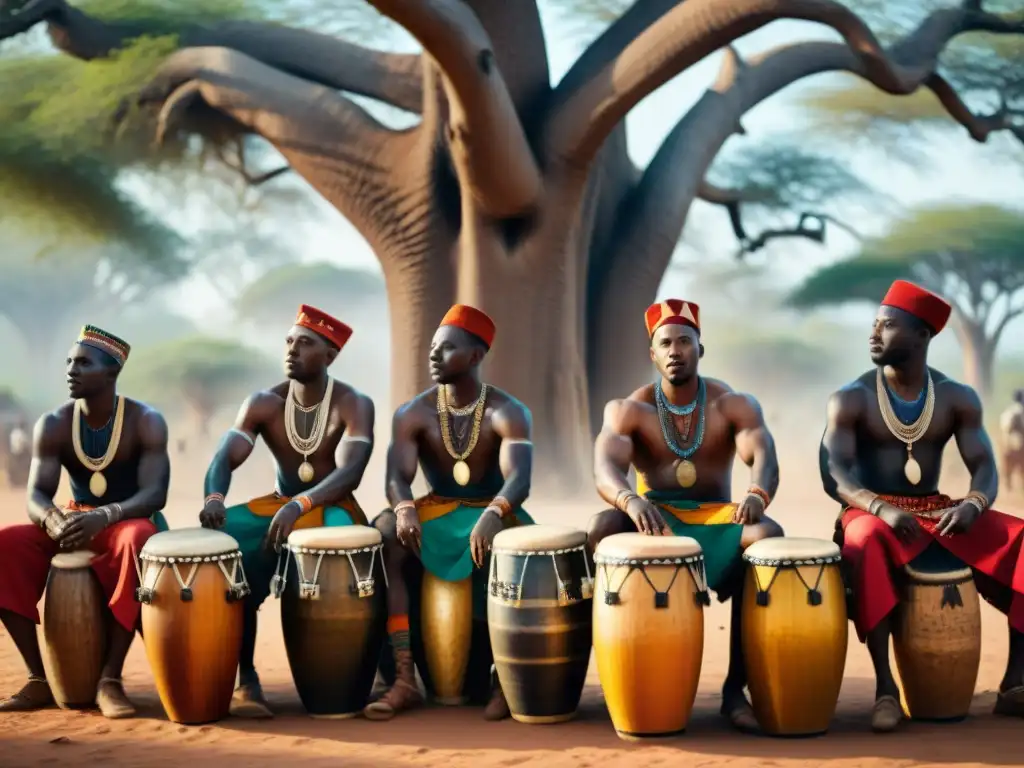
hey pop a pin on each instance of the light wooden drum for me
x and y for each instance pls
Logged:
(539, 616)
(446, 625)
(192, 587)
(794, 634)
(649, 631)
(937, 638)
(334, 614)
(74, 630)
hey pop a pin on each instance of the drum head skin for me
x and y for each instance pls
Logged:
(344, 537)
(638, 546)
(189, 542)
(791, 548)
(80, 558)
(538, 538)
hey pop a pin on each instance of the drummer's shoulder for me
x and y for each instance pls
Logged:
(850, 400)
(624, 415)
(152, 426)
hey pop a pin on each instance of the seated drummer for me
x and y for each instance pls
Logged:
(681, 434)
(473, 443)
(320, 433)
(881, 456)
(115, 452)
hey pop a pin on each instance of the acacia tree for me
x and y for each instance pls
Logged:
(972, 255)
(511, 193)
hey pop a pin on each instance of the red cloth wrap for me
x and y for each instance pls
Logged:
(672, 312)
(472, 320)
(920, 302)
(26, 551)
(323, 324)
(872, 551)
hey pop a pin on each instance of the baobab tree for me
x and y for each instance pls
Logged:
(512, 193)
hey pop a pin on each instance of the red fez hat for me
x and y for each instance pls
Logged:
(919, 302)
(323, 324)
(672, 312)
(472, 320)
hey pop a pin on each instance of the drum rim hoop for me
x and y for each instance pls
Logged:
(937, 579)
(524, 553)
(335, 551)
(236, 555)
(684, 560)
(792, 562)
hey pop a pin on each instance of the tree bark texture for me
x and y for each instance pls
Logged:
(513, 195)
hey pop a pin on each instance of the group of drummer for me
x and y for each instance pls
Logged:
(880, 460)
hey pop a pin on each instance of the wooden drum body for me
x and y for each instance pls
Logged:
(192, 587)
(74, 630)
(446, 625)
(937, 639)
(649, 631)
(539, 615)
(794, 634)
(334, 615)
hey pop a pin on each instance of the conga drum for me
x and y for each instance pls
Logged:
(446, 624)
(191, 588)
(937, 637)
(334, 615)
(649, 631)
(74, 630)
(539, 616)
(794, 634)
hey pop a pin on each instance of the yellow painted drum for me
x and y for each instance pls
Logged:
(794, 634)
(649, 631)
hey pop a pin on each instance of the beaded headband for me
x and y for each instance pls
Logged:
(106, 342)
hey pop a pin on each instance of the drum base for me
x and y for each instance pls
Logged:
(951, 719)
(450, 701)
(809, 735)
(343, 716)
(543, 719)
(639, 737)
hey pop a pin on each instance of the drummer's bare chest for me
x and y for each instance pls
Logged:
(275, 433)
(128, 446)
(874, 430)
(434, 447)
(716, 436)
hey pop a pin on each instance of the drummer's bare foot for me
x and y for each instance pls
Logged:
(112, 700)
(886, 714)
(497, 707)
(404, 694)
(247, 700)
(737, 709)
(34, 695)
(1010, 702)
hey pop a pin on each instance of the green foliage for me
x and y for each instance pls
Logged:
(203, 372)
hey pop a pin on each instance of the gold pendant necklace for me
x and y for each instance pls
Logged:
(906, 433)
(97, 482)
(686, 473)
(460, 472)
(307, 445)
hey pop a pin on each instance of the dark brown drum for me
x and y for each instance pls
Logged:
(74, 630)
(540, 612)
(334, 615)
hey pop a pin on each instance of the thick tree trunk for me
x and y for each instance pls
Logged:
(979, 352)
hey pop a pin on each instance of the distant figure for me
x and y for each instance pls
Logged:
(19, 455)
(1011, 425)
(19, 440)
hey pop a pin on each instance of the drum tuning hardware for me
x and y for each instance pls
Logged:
(186, 594)
(144, 595)
(814, 597)
(611, 598)
(762, 598)
(563, 593)
(661, 599)
(309, 591)
(493, 588)
(703, 598)
(365, 587)
(277, 586)
(237, 592)
(587, 587)
(512, 593)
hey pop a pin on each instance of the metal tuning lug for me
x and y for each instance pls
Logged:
(309, 591)
(611, 598)
(564, 598)
(513, 593)
(365, 587)
(587, 587)
(277, 586)
(186, 594)
(144, 595)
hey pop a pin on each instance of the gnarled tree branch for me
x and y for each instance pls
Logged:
(388, 77)
(489, 146)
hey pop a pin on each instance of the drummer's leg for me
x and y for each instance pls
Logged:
(604, 524)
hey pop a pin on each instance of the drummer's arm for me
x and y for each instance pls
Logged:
(514, 425)
(837, 456)
(613, 452)
(236, 446)
(403, 456)
(352, 454)
(154, 469)
(974, 445)
(44, 471)
(754, 443)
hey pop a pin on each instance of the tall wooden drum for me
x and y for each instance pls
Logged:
(937, 637)
(794, 634)
(334, 614)
(649, 631)
(74, 630)
(446, 624)
(539, 614)
(192, 586)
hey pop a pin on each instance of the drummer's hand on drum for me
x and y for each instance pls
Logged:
(958, 519)
(213, 514)
(282, 524)
(487, 527)
(81, 529)
(410, 535)
(749, 511)
(646, 517)
(903, 523)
